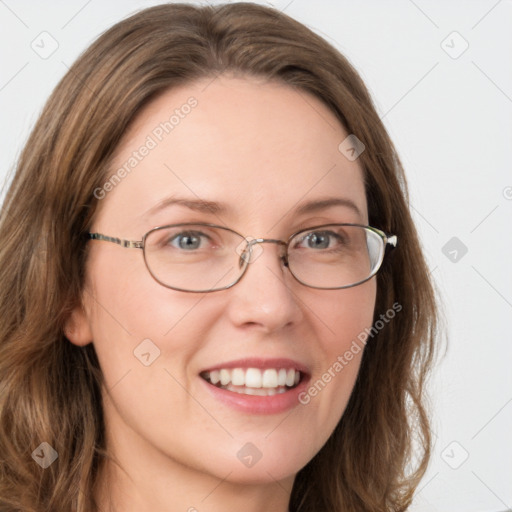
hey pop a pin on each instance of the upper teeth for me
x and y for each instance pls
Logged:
(254, 377)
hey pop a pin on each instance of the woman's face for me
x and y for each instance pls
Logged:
(262, 150)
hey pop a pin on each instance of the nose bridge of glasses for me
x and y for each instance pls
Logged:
(253, 254)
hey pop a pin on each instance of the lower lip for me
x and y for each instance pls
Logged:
(254, 404)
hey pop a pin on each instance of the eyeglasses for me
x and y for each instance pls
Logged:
(202, 257)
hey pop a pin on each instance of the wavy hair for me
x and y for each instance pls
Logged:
(50, 388)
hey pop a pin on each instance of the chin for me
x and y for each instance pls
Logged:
(262, 463)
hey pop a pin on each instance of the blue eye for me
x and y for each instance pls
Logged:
(320, 239)
(188, 240)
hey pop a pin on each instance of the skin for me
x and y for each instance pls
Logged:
(263, 148)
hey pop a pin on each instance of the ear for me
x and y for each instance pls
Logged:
(77, 329)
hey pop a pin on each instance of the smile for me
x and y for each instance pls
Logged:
(254, 381)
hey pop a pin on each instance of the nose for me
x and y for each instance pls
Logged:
(266, 295)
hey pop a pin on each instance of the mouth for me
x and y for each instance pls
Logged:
(254, 381)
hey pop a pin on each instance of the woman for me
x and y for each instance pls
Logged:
(203, 307)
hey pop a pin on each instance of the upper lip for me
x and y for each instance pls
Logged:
(261, 363)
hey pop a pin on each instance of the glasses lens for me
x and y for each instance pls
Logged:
(197, 257)
(194, 257)
(335, 256)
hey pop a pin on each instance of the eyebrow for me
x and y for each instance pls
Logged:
(214, 207)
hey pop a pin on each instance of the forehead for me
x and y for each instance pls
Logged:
(262, 149)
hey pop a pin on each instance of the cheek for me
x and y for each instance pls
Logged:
(145, 335)
(342, 320)
(340, 315)
(348, 312)
(132, 315)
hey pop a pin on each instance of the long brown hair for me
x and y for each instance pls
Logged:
(50, 388)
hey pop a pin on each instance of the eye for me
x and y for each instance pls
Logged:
(320, 239)
(187, 240)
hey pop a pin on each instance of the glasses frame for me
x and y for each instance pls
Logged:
(389, 242)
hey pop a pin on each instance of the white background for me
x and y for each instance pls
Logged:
(451, 119)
